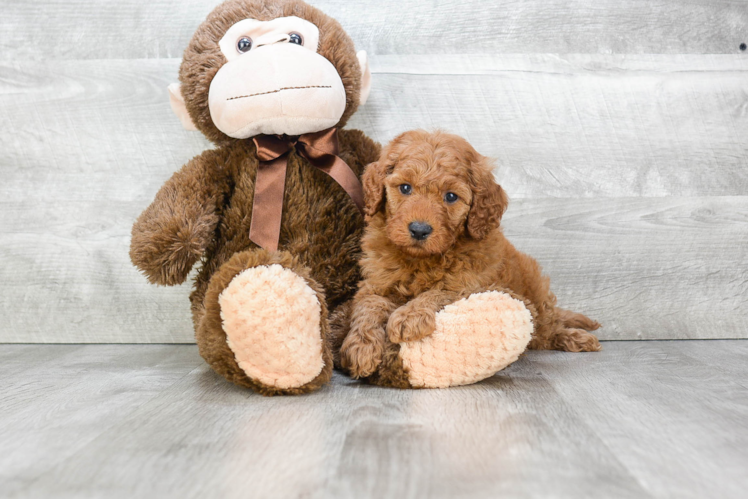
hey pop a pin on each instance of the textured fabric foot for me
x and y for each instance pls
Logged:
(272, 322)
(474, 338)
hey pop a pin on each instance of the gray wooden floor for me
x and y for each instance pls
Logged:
(639, 419)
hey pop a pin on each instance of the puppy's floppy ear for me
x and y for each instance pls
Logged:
(373, 183)
(489, 199)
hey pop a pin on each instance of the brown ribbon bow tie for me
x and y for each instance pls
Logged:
(321, 149)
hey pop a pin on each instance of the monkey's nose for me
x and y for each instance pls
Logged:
(419, 230)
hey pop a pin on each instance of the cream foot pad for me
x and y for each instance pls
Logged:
(272, 322)
(474, 338)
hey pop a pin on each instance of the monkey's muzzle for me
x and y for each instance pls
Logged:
(276, 89)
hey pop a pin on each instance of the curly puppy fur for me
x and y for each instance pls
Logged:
(203, 212)
(407, 280)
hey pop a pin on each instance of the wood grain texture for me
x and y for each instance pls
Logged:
(580, 126)
(84, 146)
(82, 390)
(689, 406)
(638, 419)
(645, 267)
(132, 29)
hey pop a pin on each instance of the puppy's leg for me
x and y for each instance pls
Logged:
(562, 330)
(571, 319)
(570, 332)
(575, 340)
(550, 334)
(363, 347)
(417, 319)
(340, 325)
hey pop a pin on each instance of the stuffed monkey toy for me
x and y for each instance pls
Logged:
(273, 212)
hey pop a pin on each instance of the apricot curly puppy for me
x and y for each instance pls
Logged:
(432, 238)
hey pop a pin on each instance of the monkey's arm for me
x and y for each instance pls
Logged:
(174, 231)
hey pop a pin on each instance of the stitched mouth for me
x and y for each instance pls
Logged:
(279, 90)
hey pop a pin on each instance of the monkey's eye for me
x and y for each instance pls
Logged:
(406, 188)
(244, 44)
(450, 197)
(295, 38)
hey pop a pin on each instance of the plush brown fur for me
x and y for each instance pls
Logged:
(204, 210)
(211, 338)
(408, 281)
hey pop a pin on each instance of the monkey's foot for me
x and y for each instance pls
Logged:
(272, 322)
(474, 338)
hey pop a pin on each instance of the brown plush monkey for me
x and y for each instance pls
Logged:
(272, 211)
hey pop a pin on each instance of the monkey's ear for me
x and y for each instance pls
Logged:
(177, 105)
(363, 61)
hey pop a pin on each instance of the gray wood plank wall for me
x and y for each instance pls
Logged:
(620, 131)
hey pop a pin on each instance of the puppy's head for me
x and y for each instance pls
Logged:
(433, 189)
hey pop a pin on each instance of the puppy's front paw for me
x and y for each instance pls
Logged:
(360, 358)
(407, 324)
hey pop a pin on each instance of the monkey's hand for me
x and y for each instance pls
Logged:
(174, 231)
(166, 243)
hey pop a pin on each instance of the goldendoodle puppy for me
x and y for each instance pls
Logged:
(432, 238)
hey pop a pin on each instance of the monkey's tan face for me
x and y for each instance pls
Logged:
(274, 82)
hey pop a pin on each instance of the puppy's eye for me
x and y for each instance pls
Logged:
(450, 197)
(406, 188)
(295, 38)
(244, 44)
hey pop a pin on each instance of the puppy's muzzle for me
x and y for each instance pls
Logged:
(419, 230)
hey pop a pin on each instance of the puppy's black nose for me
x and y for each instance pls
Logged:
(419, 230)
